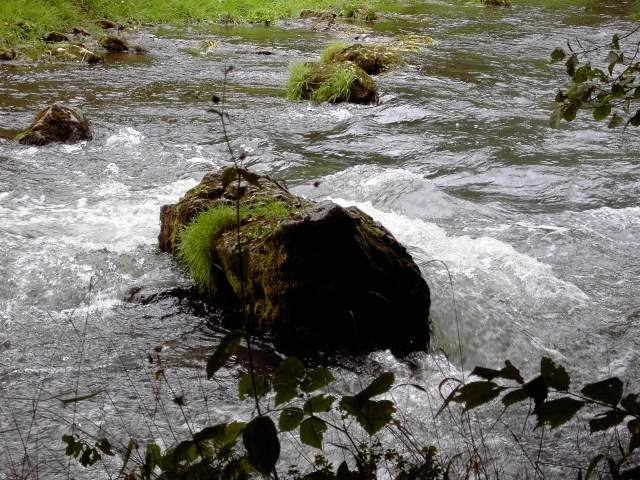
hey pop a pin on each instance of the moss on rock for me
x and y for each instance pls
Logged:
(335, 83)
(373, 59)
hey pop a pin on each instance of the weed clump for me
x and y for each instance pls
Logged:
(335, 83)
(195, 243)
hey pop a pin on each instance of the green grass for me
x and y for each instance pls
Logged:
(320, 82)
(43, 16)
(328, 53)
(195, 241)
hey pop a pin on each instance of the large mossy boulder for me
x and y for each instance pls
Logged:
(331, 82)
(317, 276)
(373, 59)
(56, 123)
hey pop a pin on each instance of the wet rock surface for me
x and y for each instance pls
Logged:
(56, 123)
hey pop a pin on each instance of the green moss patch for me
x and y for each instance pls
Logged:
(335, 83)
(373, 59)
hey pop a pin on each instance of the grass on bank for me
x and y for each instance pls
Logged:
(26, 21)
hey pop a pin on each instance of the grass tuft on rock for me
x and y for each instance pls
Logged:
(329, 53)
(335, 83)
(372, 58)
(195, 243)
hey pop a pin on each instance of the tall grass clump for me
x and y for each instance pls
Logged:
(320, 82)
(331, 51)
(337, 86)
(196, 239)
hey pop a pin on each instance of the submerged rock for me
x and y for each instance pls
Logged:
(56, 123)
(331, 82)
(317, 276)
(373, 59)
(113, 44)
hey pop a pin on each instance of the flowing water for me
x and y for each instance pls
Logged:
(526, 235)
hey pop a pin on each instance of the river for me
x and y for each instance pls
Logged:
(538, 228)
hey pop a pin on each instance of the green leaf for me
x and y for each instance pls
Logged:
(127, 455)
(557, 55)
(557, 412)
(316, 378)
(290, 419)
(215, 433)
(287, 378)
(616, 121)
(571, 65)
(582, 74)
(606, 421)
(371, 415)
(186, 450)
(312, 432)
(260, 439)
(227, 347)
(245, 386)
(615, 42)
(608, 391)
(601, 112)
(569, 111)
(73, 447)
(592, 465)
(514, 396)
(554, 376)
(152, 459)
(475, 394)
(556, 117)
(380, 385)
(318, 404)
(509, 372)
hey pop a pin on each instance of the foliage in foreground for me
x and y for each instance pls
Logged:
(610, 89)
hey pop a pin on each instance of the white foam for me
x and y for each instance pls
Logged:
(125, 137)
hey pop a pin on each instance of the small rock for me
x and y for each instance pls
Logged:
(8, 54)
(80, 32)
(138, 50)
(56, 123)
(264, 52)
(113, 44)
(107, 24)
(55, 37)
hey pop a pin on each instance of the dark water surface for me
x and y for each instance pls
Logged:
(539, 228)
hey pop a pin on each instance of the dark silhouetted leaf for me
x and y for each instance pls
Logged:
(215, 433)
(287, 378)
(635, 120)
(615, 42)
(631, 403)
(186, 450)
(606, 421)
(105, 447)
(380, 385)
(634, 426)
(318, 404)
(514, 396)
(634, 442)
(227, 347)
(608, 391)
(316, 378)
(592, 465)
(152, 459)
(537, 390)
(344, 473)
(371, 415)
(509, 372)
(260, 439)
(245, 386)
(475, 394)
(557, 412)
(290, 419)
(555, 376)
(557, 55)
(312, 432)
